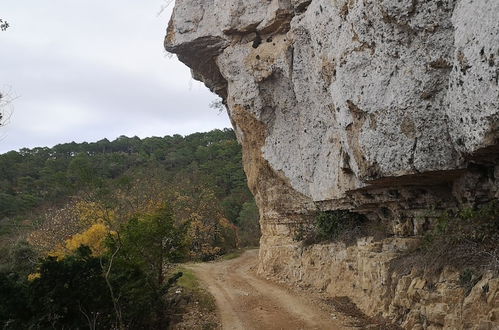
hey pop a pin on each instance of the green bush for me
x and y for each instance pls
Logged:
(125, 288)
(13, 311)
(75, 293)
(332, 224)
(337, 225)
(70, 293)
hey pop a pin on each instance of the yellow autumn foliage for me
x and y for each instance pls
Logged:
(34, 276)
(94, 237)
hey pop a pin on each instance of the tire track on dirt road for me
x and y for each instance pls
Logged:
(247, 301)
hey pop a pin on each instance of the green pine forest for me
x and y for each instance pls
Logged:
(90, 233)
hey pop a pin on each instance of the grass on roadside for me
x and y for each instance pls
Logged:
(236, 253)
(232, 255)
(190, 283)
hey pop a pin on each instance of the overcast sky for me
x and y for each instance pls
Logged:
(83, 70)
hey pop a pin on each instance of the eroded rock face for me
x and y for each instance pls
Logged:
(363, 273)
(384, 107)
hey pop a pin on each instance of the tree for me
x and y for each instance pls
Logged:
(153, 241)
(101, 279)
(58, 225)
(70, 293)
(150, 243)
(4, 101)
(94, 237)
(13, 311)
(194, 203)
(64, 190)
(3, 26)
(22, 259)
(248, 222)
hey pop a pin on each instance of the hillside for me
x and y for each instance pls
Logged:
(34, 181)
(134, 206)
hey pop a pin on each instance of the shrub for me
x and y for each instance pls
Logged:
(70, 293)
(332, 224)
(13, 311)
(466, 240)
(337, 225)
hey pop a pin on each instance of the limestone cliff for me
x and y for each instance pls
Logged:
(384, 107)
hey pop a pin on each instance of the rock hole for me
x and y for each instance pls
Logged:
(257, 42)
(386, 212)
(393, 193)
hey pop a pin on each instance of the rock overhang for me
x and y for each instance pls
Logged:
(351, 93)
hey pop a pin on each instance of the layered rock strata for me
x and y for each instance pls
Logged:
(388, 108)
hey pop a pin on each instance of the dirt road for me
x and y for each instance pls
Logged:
(246, 301)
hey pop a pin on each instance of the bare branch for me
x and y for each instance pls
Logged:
(164, 7)
(116, 306)
(5, 108)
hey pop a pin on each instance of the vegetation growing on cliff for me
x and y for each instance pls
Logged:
(338, 226)
(467, 240)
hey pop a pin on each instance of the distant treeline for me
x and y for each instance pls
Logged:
(31, 177)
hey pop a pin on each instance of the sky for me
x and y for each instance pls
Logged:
(84, 70)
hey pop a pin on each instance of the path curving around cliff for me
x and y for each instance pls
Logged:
(247, 301)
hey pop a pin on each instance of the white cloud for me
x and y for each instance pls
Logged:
(89, 69)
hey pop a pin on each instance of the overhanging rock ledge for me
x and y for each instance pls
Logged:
(387, 108)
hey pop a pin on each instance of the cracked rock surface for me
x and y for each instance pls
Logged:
(384, 107)
(350, 92)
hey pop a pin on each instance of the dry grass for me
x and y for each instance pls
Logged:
(467, 241)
